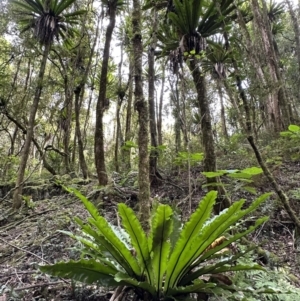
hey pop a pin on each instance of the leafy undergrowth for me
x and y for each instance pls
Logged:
(29, 237)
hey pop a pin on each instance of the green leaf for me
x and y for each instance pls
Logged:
(182, 252)
(87, 271)
(207, 255)
(294, 128)
(240, 175)
(213, 174)
(126, 259)
(62, 5)
(212, 230)
(285, 134)
(93, 211)
(199, 286)
(137, 236)
(123, 278)
(250, 189)
(159, 244)
(252, 170)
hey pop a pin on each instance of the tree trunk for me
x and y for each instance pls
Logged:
(67, 118)
(17, 201)
(207, 136)
(128, 134)
(295, 24)
(154, 174)
(223, 117)
(102, 102)
(160, 106)
(79, 94)
(143, 116)
(274, 117)
(254, 60)
(82, 162)
(121, 95)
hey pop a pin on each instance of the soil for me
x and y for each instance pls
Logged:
(30, 237)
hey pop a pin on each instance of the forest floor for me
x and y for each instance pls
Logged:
(29, 237)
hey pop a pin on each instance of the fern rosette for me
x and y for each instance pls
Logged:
(172, 261)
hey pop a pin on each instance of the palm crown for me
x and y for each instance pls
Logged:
(47, 18)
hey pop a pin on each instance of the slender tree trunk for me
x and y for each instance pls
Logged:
(281, 89)
(296, 28)
(67, 117)
(160, 106)
(253, 58)
(143, 116)
(17, 200)
(223, 117)
(247, 126)
(121, 94)
(154, 174)
(79, 94)
(207, 135)
(274, 117)
(118, 135)
(82, 162)
(102, 102)
(128, 134)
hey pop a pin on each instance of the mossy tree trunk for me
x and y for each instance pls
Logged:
(154, 174)
(102, 102)
(143, 116)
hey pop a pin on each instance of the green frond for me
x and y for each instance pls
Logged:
(137, 237)
(47, 18)
(88, 271)
(172, 261)
(62, 5)
(126, 259)
(182, 250)
(159, 244)
(75, 14)
(26, 7)
(36, 3)
(93, 211)
(123, 278)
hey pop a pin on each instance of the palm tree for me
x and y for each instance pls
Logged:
(184, 39)
(49, 20)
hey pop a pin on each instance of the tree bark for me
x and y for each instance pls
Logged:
(143, 116)
(128, 133)
(274, 117)
(223, 117)
(17, 201)
(296, 28)
(154, 174)
(102, 101)
(160, 106)
(83, 166)
(210, 163)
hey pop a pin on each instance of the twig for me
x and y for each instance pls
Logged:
(23, 250)
(38, 285)
(118, 293)
(186, 198)
(9, 226)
